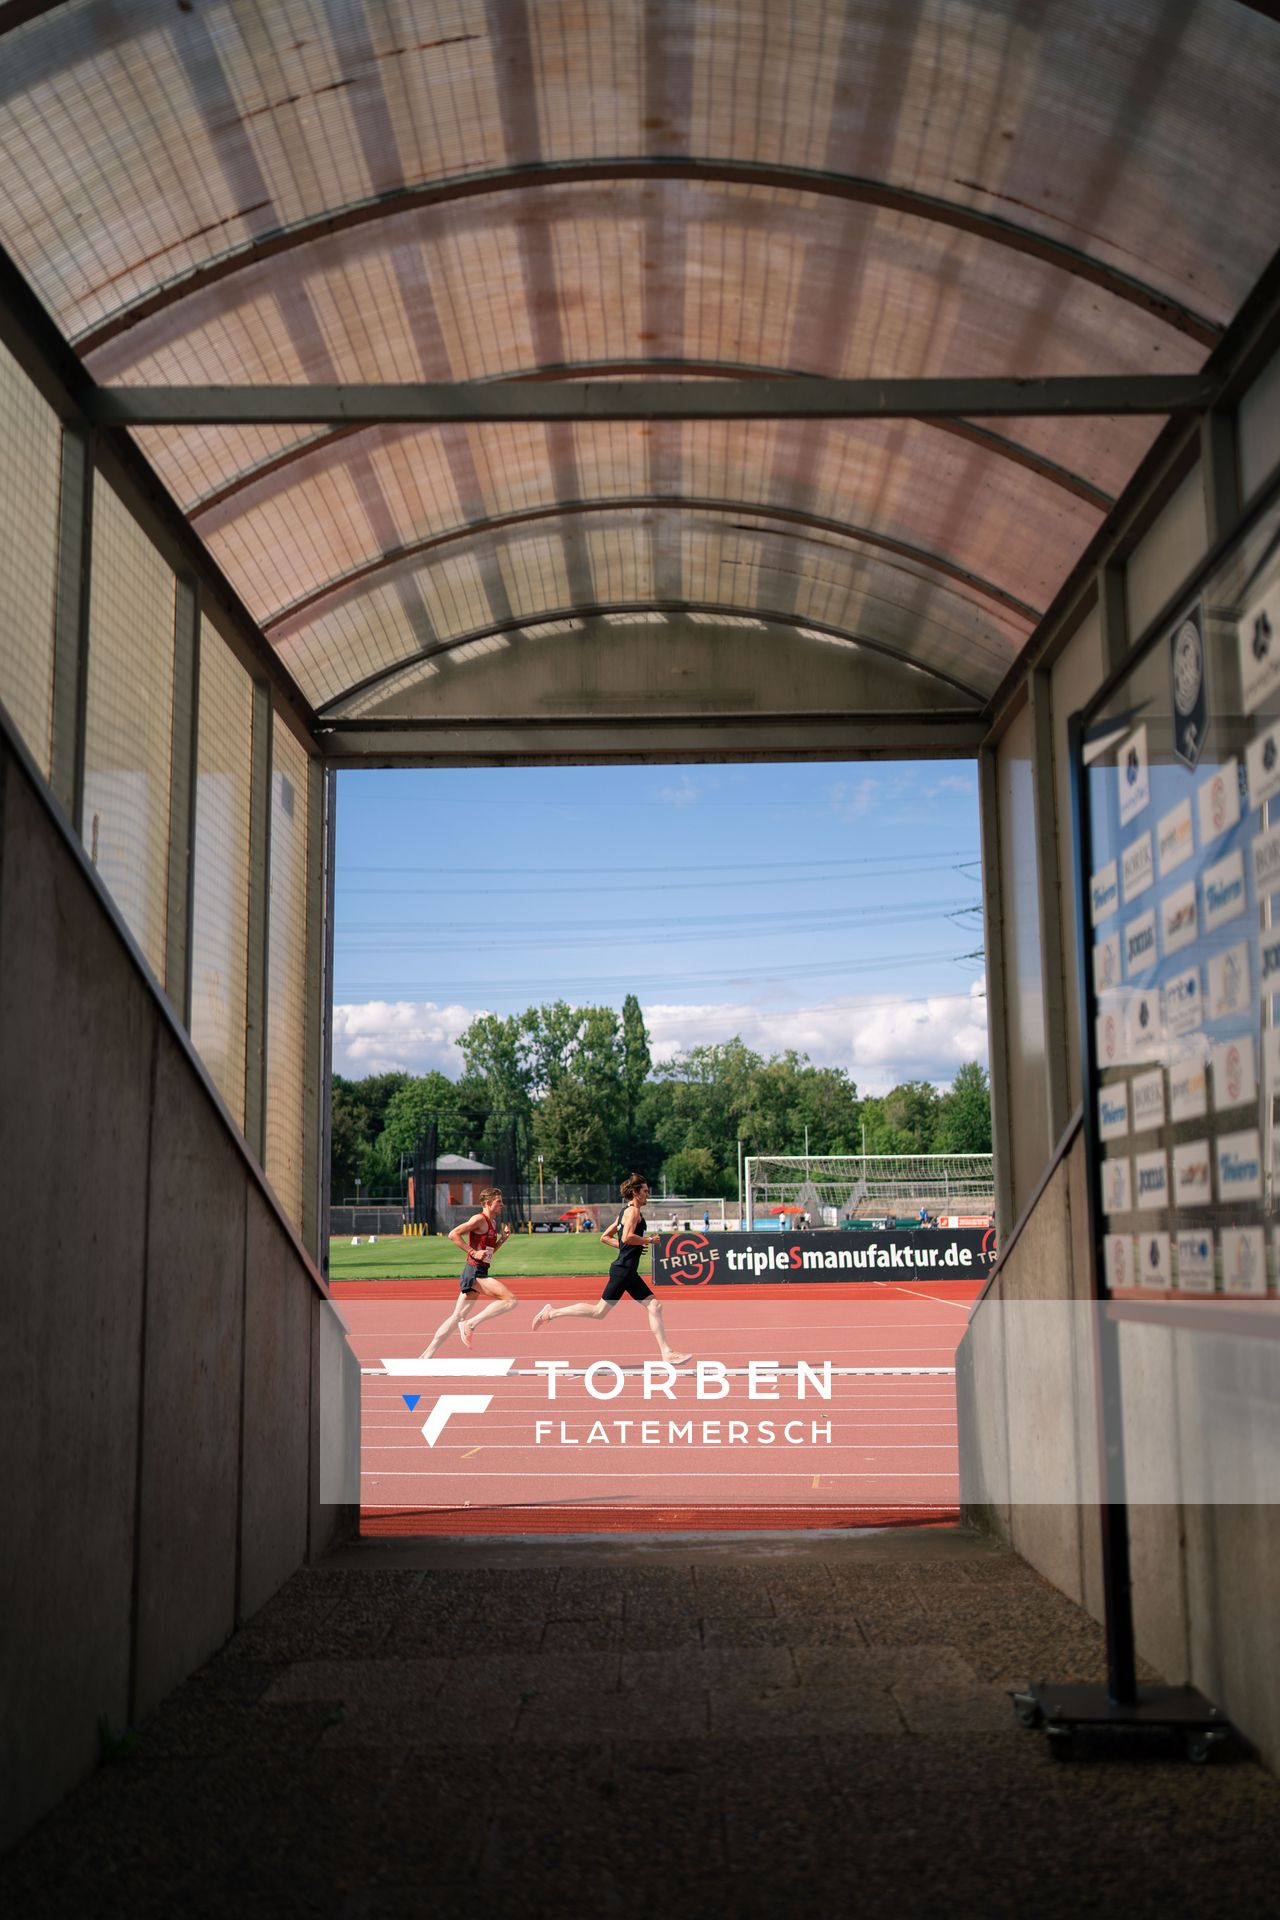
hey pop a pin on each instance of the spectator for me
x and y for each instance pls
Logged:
(926, 1219)
(706, 1220)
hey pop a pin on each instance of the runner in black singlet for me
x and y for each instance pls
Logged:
(479, 1238)
(629, 1237)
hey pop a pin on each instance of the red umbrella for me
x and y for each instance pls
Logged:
(787, 1209)
(571, 1213)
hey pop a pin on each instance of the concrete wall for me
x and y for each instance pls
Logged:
(162, 1336)
(1204, 1576)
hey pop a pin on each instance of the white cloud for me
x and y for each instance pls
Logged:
(415, 1036)
(685, 795)
(878, 1042)
(953, 783)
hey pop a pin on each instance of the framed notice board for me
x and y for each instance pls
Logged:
(1177, 790)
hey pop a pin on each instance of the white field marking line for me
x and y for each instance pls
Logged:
(671, 1446)
(957, 1306)
(402, 1369)
(444, 1369)
(855, 1426)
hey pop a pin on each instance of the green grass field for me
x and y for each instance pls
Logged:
(526, 1255)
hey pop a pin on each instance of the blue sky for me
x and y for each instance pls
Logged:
(828, 907)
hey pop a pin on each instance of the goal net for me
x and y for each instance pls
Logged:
(833, 1187)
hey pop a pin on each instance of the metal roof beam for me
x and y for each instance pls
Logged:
(498, 402)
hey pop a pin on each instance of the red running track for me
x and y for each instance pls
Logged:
(881, 1450)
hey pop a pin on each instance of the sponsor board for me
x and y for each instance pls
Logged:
(1179, 923)
(1152, 1178)
(1235, 1081)
(1139, 867)
(1133, 774)
(1266, 864)
(1117, 1186)
(1113, 1111)
(1184, 1002)
(1174, 840)
(700, 1260)
(1258, 635)
(1144, 1023)
(1188, 1086)
(1104, 892)
(1239, 1166)
(1229, 982)
(1218, 801)
(1244, 1260)
(1154, 1267)
(1117, 1255)
(1224, 894)
(1147, 1090)
(1192, 1179)
(1262, 763)
(1140, 943)
(1106, 964)
(1195, 1260)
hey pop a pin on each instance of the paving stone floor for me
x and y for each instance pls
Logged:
(742, 1727)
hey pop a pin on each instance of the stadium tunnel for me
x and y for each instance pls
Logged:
(837, 381)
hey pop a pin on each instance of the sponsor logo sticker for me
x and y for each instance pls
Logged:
(1188, 1087)
(1178, 922)
(1239, 1166)
(1140, 943)
(1117, 1186)
(1139, 867)
(1218, 800)
(1113, 1111)
(1271, 1058)
(1224, 895)
(1152, 1171)
(1192, 1176)
(1235, 1081)
(1269, 954)
(1117, 1254)
(1104, 894)
(1134, 775)
(1229, 982)
(1258, 637)
(1244, 1260)
(1184, 1002)
(1112, 1039)
(1195, 1260)
(1106, 964)
(1174, 838)
(1154, 1267)
(1148, 1101)
(1266, 864)
(1145, 1024)
(1262, 761)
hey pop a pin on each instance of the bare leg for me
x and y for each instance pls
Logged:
(446, 1327)
(580, 1310)
(502, 1304)
(654, 1310)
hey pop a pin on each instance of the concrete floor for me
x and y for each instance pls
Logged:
(755, 1727)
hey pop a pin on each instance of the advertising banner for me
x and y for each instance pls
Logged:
(718, 1259)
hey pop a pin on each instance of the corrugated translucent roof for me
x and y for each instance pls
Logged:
(328, 191)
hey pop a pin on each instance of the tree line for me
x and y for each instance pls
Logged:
(583, 1082)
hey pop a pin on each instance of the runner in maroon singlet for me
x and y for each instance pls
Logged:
(479, 1238)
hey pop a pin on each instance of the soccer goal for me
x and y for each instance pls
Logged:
(834, 1187)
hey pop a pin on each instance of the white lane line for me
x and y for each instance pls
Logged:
(657, 1473)
(419, 1369)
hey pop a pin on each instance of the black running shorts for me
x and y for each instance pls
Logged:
(470, 1274)
(625, 1280)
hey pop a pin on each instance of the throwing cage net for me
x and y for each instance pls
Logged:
(849, 1185)
(498, 1138)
